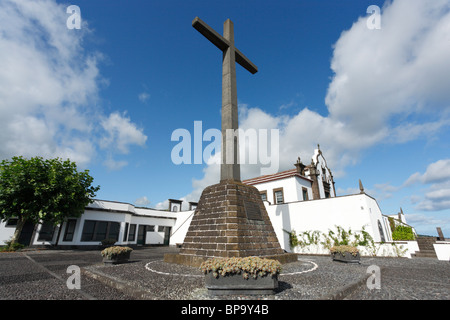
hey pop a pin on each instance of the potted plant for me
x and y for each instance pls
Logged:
(345, 253)
(116, 254)
(249, 275)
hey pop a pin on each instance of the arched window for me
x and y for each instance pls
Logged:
(380, 228)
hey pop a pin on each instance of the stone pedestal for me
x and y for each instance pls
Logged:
(230, 221)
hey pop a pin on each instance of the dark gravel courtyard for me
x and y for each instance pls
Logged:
(42, 275)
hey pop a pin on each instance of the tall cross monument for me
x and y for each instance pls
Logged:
(230, 219)
(229, 169)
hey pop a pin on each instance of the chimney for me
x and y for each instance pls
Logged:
(300, 166)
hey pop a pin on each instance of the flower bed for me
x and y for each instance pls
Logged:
(348, 254)
(116, 254)
(249, 275)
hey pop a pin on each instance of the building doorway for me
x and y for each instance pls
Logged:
(167, 231)
(142, 233)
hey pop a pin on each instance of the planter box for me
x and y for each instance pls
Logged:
(235, 284)
(119, 259)
(347, 257)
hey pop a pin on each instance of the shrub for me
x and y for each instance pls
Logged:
(403, 233)
(366, 241)
(341, 237)
(293, 240)
(108, 242)
(11, 246)
(248, 266)
(310, 237)
(115, 252)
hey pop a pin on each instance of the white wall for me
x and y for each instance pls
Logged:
(442, 249)
(299, 185)
(139, 216)
(6, 233)
(352, 212)
(401, 249)
(292, 188)
(136, 216)
(181, 227)
(94, 215)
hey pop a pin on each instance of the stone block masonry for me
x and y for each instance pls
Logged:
(231, 221)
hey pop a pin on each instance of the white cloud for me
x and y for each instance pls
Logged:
(144, 96)
(164, 205)
(417, 219)
(383, 191)
(49, 86)
(121, 133)
(402, 69)
(389, 86)
(406, 132)
(142, 201)
(437, 197)
(441, 194)
(436, 172)
(114, 165)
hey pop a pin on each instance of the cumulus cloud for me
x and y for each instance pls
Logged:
(121, 133)
(402, 69)
(389, 86)
(437, 176)
(49, 87)
(142, 201)
(436, 172)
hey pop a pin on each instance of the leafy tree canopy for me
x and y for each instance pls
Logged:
(43, 189)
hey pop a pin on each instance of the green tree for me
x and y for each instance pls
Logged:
(40, 189)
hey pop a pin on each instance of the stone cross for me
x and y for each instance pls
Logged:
(230, 169)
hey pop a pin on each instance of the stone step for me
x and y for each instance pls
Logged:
(426, 247)
(425, 254)
(426, 243)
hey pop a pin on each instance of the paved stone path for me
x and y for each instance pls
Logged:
(42, 275)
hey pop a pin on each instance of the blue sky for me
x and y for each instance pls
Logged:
(110, 94)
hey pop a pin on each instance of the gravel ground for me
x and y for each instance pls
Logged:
(38, 275)
(310, 278)
(409, 279)
(42, 275)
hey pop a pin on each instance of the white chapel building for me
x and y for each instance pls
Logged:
(301, 199)
(304, 199)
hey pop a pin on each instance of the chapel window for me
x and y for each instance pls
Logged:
(263, 195)
(305, 194)
(278, 196)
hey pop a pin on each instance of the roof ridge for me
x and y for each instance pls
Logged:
(273, 174)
